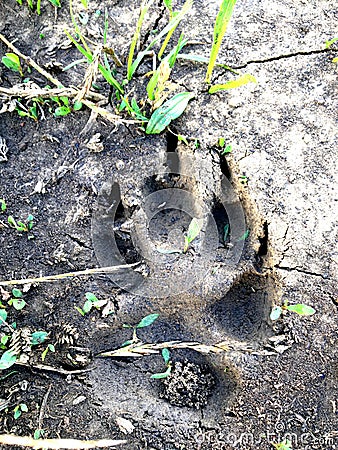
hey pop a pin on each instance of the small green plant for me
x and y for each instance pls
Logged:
(38, 337)
(38, 434)
(194, 230)
(29, 111)
(12, 61)
(91, 302)
(245, 236)
(50, 347)
(221, 24)
(285, 445)
(299, 308)
(30, 4)
(19, 409)
(169, 111)
(22, 226)
(17, 301)
(3, 205)
(145, 322)
(168, 363)
(233, 84)
(225, 148)
(7, 359)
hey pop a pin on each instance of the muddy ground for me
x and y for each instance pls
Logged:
(87, 188)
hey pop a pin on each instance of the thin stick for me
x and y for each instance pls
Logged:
(61, 276)
(52, 369)
(47, 93)
(56, 444)
(43, 407)
(106, 114)
(29, 61)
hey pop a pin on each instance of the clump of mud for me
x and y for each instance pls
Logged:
(188, 385)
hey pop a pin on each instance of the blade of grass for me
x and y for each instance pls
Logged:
(76, 27)
(221, 24)
(143, 11)
(240, 81)
(172, 24)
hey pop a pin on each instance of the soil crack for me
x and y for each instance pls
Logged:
(300, 270)
(284, 56)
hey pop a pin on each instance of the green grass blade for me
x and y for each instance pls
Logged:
(221, 24)
(167, 39)
(143, 11)
(172, 24)
(106, 72)
(81, 49)
(240, 81)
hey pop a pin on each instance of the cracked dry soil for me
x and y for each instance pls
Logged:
(278, 379)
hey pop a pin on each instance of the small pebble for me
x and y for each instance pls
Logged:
(119, 164)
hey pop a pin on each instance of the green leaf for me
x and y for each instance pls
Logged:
(159, 376)
(79, 310)
(301, 309)
(169, 111)
(62, 111)
(166, 355)
(147, 320)
(17, 412)
(3, 205)
(38, 337)
(228, 149)
(12, 61)
(226, 232)
(87, 306)
(19, 303)
(275, 313)
(183, 139)
(3, 316)
(221, 24)
(335, 60)
(17, 293)
(245, 236)
(7, 360)
(38, 434)
(51, 348)
(194, 230)
(91, 297)
(11, 221)
(125, 343)
(77, 106)
(240, 81)
(330, 42)
(56, 3)
(168, 4)
(4, 339)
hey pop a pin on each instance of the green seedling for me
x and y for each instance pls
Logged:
(132, 108)
(50, 347)
(194, 230)
(168, 363)
(3, 205)
(91, 302)
(38, 434)
(12, 61)
(330, 42)
(226, 232)
(22, 226)
(299, 308)
(3, 341)
(285, 445)
(245, 236)
(171, 25)
(19, 409)
(3, 317)
(240, 81)
(38, 337)
(169, 111)
(31, 112)
(7, 359)
(221, 24)
(243, 179)
(17, 301)
(145, 322)
(225, 148)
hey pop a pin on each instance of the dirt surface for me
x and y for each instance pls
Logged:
(109, 194)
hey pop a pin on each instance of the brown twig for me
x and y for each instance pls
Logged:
(30, 62)
(52, 369)
(43, 407)
(139, 348)
(18, 91)
(61, 276)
